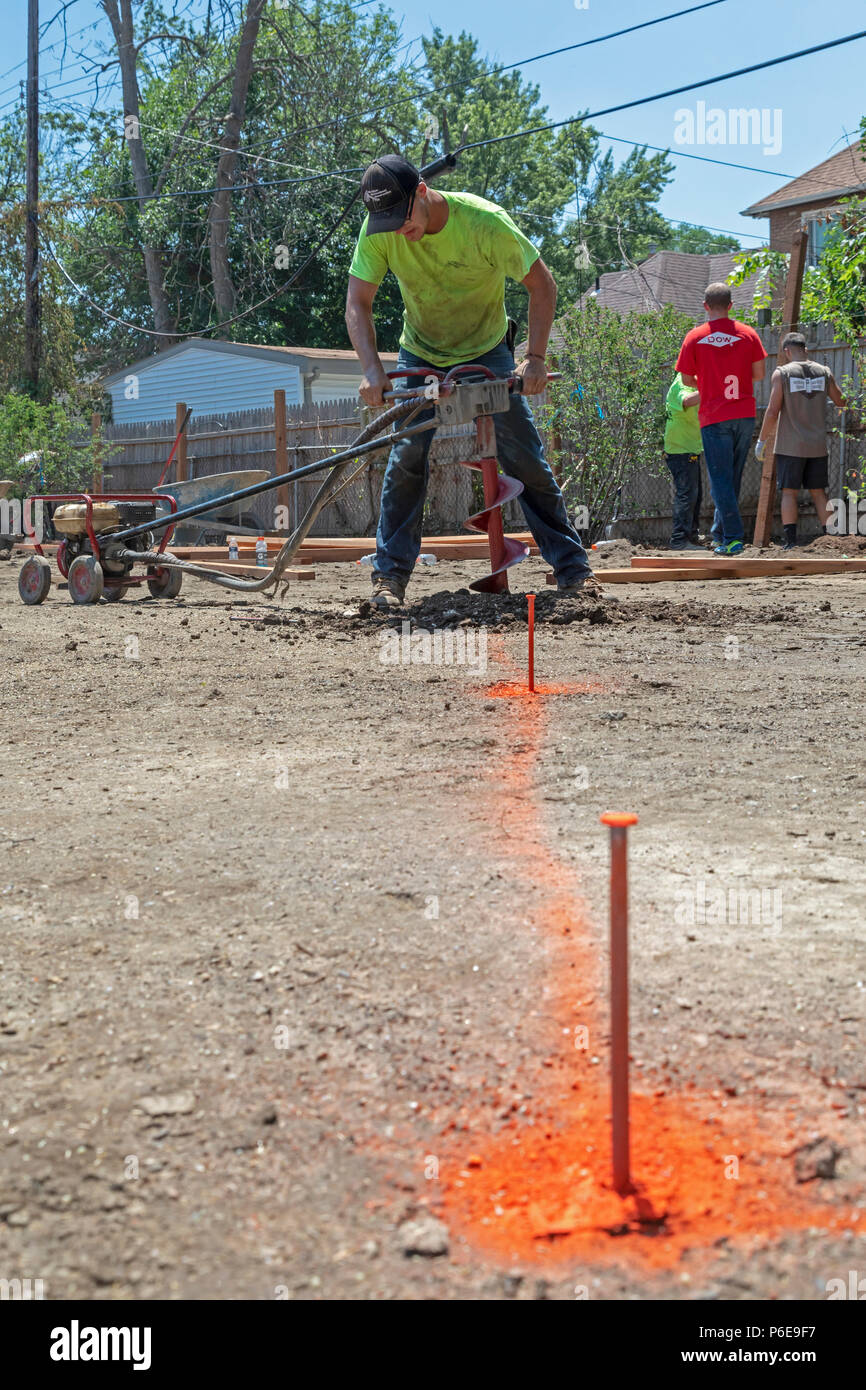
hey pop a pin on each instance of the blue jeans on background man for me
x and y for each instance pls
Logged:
(521, 456)
(726, 448)
(688, 494)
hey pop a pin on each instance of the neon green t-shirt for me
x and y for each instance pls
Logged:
(452, 282)
(682, 430)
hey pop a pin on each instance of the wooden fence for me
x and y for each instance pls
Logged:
(279, 439)
(135, 455)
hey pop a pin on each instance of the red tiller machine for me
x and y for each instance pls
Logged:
(82, 522)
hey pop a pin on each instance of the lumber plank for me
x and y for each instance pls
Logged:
(663, 576)
(204, 556)
(242, 571)
(758, 564)
(726, 569)
(655, 576)
(333, 549)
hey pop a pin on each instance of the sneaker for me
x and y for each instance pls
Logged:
(388, 591)
(732, 548)
(689, 545)
(790, 545)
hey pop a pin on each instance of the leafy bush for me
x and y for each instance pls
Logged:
(606, 417)
(37, 447)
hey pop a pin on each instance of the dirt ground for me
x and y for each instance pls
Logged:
(294, 935)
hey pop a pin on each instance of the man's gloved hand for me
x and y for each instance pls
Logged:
(373, 386)
(760, 449)
(534, 373)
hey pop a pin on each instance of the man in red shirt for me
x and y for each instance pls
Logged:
(723, 358)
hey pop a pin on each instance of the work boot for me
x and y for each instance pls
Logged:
(388, 591)
(586, 584)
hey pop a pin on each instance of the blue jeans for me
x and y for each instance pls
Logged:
(688, 492)
(726, 448)
(521, 456)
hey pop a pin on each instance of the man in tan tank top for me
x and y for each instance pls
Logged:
(798, 401)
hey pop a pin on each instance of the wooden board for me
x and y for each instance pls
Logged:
(654, 576)
(725, 569)
(203, 556)
(663, 576)
(468, 546)
(242, 571)
(332, 549)
(746, 565)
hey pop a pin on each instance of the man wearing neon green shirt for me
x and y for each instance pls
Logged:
(683, 457)
(451, 253)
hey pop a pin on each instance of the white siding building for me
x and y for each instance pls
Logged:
(218, 377)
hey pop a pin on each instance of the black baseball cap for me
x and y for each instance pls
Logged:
(388, 192)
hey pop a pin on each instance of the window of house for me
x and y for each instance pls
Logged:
(818, 229)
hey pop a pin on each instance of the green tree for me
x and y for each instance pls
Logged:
(44, 446)
(538, 177)
(698, 239)
(61, 341)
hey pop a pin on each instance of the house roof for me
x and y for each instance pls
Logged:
(268, 352)
(670, 277)
(840, 175)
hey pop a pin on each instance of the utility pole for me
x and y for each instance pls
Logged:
(31, 248)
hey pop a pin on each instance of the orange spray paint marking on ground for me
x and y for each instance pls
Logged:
(530, 601)
(702, 1170)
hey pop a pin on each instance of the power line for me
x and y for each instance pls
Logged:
(671, 92)
(552, 125)
(704, 159)
(524, 62)
(834, 43)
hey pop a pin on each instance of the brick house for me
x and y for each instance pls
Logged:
(812, 200)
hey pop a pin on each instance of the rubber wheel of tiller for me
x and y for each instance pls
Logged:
(113, 593)
(164, 583)
(34, 579)
(86, 580)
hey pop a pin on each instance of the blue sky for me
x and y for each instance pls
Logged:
(808, 104)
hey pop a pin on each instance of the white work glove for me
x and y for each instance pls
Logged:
(760, 449)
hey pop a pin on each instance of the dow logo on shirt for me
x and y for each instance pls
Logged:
(806, 383)
(720, 339)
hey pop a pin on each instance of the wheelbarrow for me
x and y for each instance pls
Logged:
(224, 519)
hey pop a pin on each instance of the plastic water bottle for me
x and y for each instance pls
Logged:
(426, 559)
(233, 548)
(261, 552)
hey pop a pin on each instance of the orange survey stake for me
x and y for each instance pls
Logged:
(619, 822)
(530, 599)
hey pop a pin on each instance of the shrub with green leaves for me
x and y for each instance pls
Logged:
(37, 447)
(606, 416)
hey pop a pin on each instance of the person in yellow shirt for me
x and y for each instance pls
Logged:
(450, 253)
(683, 458)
